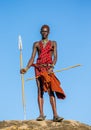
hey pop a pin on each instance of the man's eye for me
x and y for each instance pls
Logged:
(44, 31)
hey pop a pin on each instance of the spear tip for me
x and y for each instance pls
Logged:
(19, 42)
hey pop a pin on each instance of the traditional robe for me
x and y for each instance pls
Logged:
(41, 70)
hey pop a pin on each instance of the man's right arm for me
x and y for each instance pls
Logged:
(30, 62)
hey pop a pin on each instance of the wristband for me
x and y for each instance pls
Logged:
(51, 65)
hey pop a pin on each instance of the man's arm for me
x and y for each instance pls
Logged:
(55, 52)
(33, 54)
(30, 62)
(54, 45)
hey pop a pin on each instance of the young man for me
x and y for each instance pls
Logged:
(45, 78)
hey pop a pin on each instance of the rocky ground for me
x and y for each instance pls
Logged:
(43, 125)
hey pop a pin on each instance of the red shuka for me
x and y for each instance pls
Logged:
(48, 80)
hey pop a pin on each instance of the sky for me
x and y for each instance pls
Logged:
(70, 27)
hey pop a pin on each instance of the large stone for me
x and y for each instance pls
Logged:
(43, 125)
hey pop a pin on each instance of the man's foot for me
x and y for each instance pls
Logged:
(41, 118)
(57, 119)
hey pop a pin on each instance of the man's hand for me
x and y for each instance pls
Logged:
(23, 70)
(51, 68)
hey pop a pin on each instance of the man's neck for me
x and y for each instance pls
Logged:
(44, 41)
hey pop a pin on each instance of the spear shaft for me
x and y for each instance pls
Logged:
(63, 69)
(22, 78)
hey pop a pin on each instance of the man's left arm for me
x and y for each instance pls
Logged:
(54, 45)
(54, 52)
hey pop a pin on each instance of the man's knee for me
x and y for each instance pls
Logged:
(40, 92)
(51, 93)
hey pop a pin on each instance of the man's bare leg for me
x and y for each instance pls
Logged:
(56, 118)
(52, 102)
(40, 101)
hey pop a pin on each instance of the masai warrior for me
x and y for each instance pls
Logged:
(45, 78)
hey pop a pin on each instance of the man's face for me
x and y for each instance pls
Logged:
(44, 32)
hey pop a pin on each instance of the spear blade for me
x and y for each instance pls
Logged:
(19, 42)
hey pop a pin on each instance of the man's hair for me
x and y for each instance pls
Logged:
(45, 26)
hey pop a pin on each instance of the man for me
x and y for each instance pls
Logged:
(45, 78)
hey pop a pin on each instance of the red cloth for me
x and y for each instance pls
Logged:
(49, 80)
(45, 57)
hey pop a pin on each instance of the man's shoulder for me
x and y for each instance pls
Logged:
(36, 43)
(53, 42)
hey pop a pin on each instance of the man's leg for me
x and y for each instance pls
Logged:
(40, 100)
(52, 102)
(56, 118)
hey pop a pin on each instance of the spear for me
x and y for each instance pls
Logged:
(22, 76)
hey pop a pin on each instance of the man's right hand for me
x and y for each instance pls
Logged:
(23, 70)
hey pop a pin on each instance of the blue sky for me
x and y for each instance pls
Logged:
(70, 23)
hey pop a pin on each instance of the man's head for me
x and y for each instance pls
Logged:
(45, 29)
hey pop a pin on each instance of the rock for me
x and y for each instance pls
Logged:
(43, 125)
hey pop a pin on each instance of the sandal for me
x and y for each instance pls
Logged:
(41, 118)
(57, 119)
